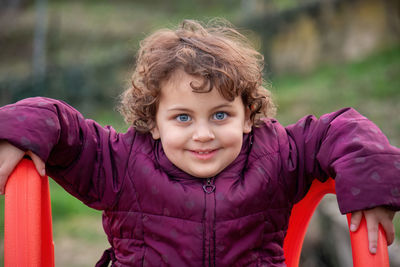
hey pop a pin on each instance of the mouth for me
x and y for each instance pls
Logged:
(204, 154)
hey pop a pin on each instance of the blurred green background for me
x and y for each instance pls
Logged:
(320, 56)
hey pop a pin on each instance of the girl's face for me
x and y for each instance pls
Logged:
(201, 133)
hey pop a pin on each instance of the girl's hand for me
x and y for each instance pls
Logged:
(10, 156)
(374, 217)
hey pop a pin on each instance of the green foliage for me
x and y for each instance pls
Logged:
(64, 206)
(396, 222)
(371, 86)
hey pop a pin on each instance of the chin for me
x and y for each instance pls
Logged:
(204, 175)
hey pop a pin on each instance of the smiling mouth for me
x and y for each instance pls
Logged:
(204, 154)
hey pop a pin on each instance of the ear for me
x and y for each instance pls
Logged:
(155, 133)
(248, 124)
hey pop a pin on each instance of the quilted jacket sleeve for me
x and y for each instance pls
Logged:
(89, 161)
(348, 147)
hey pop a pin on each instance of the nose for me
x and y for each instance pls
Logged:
(203, 133)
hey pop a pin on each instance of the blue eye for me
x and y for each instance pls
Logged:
(183, 118)
(220, 116)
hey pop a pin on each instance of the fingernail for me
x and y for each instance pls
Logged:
(43, 172)
(352, 227)
(373, 250)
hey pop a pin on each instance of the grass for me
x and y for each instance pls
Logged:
(65, 206)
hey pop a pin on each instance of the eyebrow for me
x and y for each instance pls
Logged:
(183, 109)
(227, 105)
(178, 109)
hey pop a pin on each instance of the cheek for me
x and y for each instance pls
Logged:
(231, 138)
(172, 139)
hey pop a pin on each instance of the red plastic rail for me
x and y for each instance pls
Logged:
(301, 216)
(28, 235)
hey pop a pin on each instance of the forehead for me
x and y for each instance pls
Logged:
(180, 79)
(179, 88)
(181, 84)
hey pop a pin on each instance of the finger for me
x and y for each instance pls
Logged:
(5, 171)
(372, 227)
(6, 168)
(388, 226)
(3, 180)
(38, 162)
(355, 220)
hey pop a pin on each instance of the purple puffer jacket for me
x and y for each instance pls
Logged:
(157, 215)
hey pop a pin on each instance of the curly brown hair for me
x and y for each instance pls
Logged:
(215, 51)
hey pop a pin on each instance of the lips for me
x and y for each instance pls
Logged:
(204, 154)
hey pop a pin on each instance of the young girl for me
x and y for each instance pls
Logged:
(205, 176)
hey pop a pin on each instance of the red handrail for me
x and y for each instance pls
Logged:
(28, 235)
(301, 216)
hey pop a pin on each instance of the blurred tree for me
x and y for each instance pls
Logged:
(9, 4)
(39, 41)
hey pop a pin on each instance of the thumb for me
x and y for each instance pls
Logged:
(38, 162)
(355, 220)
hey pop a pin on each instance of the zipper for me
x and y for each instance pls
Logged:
(209, 219)
(209, 187)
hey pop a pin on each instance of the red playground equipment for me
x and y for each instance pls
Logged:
(28, 233)
(301, 216)
(28, 238)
